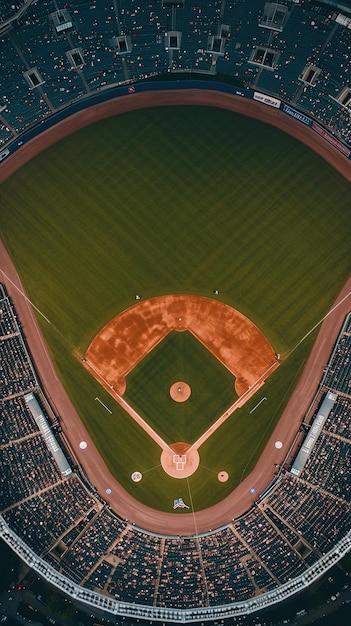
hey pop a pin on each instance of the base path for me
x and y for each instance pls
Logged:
(121, 501)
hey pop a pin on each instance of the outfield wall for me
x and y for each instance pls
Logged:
(176, 85)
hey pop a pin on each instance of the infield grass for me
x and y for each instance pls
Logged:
(178, 200)
(180, 357)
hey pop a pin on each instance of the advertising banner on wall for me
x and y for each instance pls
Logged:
(297, 114)
(271, 102)
(335, 142)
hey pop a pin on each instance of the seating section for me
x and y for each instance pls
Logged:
(338, 421)
(270, 548)
(235, 577)
(31, 454)
(135, 576)
(8, 324)
(18, 379)
(16, 422)
(111, 44)
(328, 465)
(284, 533)
(95, 541)
(9, 8)
(44, 518)
(320, 518)
(338, 373)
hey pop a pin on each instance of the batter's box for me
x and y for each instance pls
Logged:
(179, 460)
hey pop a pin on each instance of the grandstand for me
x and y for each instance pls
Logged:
(55, 55)
(59, 525)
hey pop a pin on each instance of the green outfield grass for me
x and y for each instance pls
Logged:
(178, 200)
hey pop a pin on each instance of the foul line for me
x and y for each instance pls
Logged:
(243, 399)
(34, 306)
(208, 468)
(318, 324)
(288, 391)
(26, 298)
(152, 468)
(124, 404)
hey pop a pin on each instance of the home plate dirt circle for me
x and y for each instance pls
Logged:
(180, 391)
(180, 460)
(223, 477)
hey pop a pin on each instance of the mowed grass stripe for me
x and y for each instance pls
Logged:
(176, 200)
(271, 234)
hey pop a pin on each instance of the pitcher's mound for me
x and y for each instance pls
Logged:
(223, 477)
(180, 391)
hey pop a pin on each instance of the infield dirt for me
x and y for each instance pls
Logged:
(230, 336)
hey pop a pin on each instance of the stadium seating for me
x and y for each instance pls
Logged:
(60, 519)
(130, 41)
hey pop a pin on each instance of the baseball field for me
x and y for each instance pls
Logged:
(178, 200)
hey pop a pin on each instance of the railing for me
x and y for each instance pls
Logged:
(182, 616)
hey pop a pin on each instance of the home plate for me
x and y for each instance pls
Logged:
(136, 477)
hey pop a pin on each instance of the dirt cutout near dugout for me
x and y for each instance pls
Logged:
(230, 336)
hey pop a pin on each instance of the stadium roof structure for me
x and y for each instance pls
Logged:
(275, 16)
(49, 438)
(62, 21)
(312, 436)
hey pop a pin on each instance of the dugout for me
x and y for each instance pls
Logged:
(49, 438)
(313, 434)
